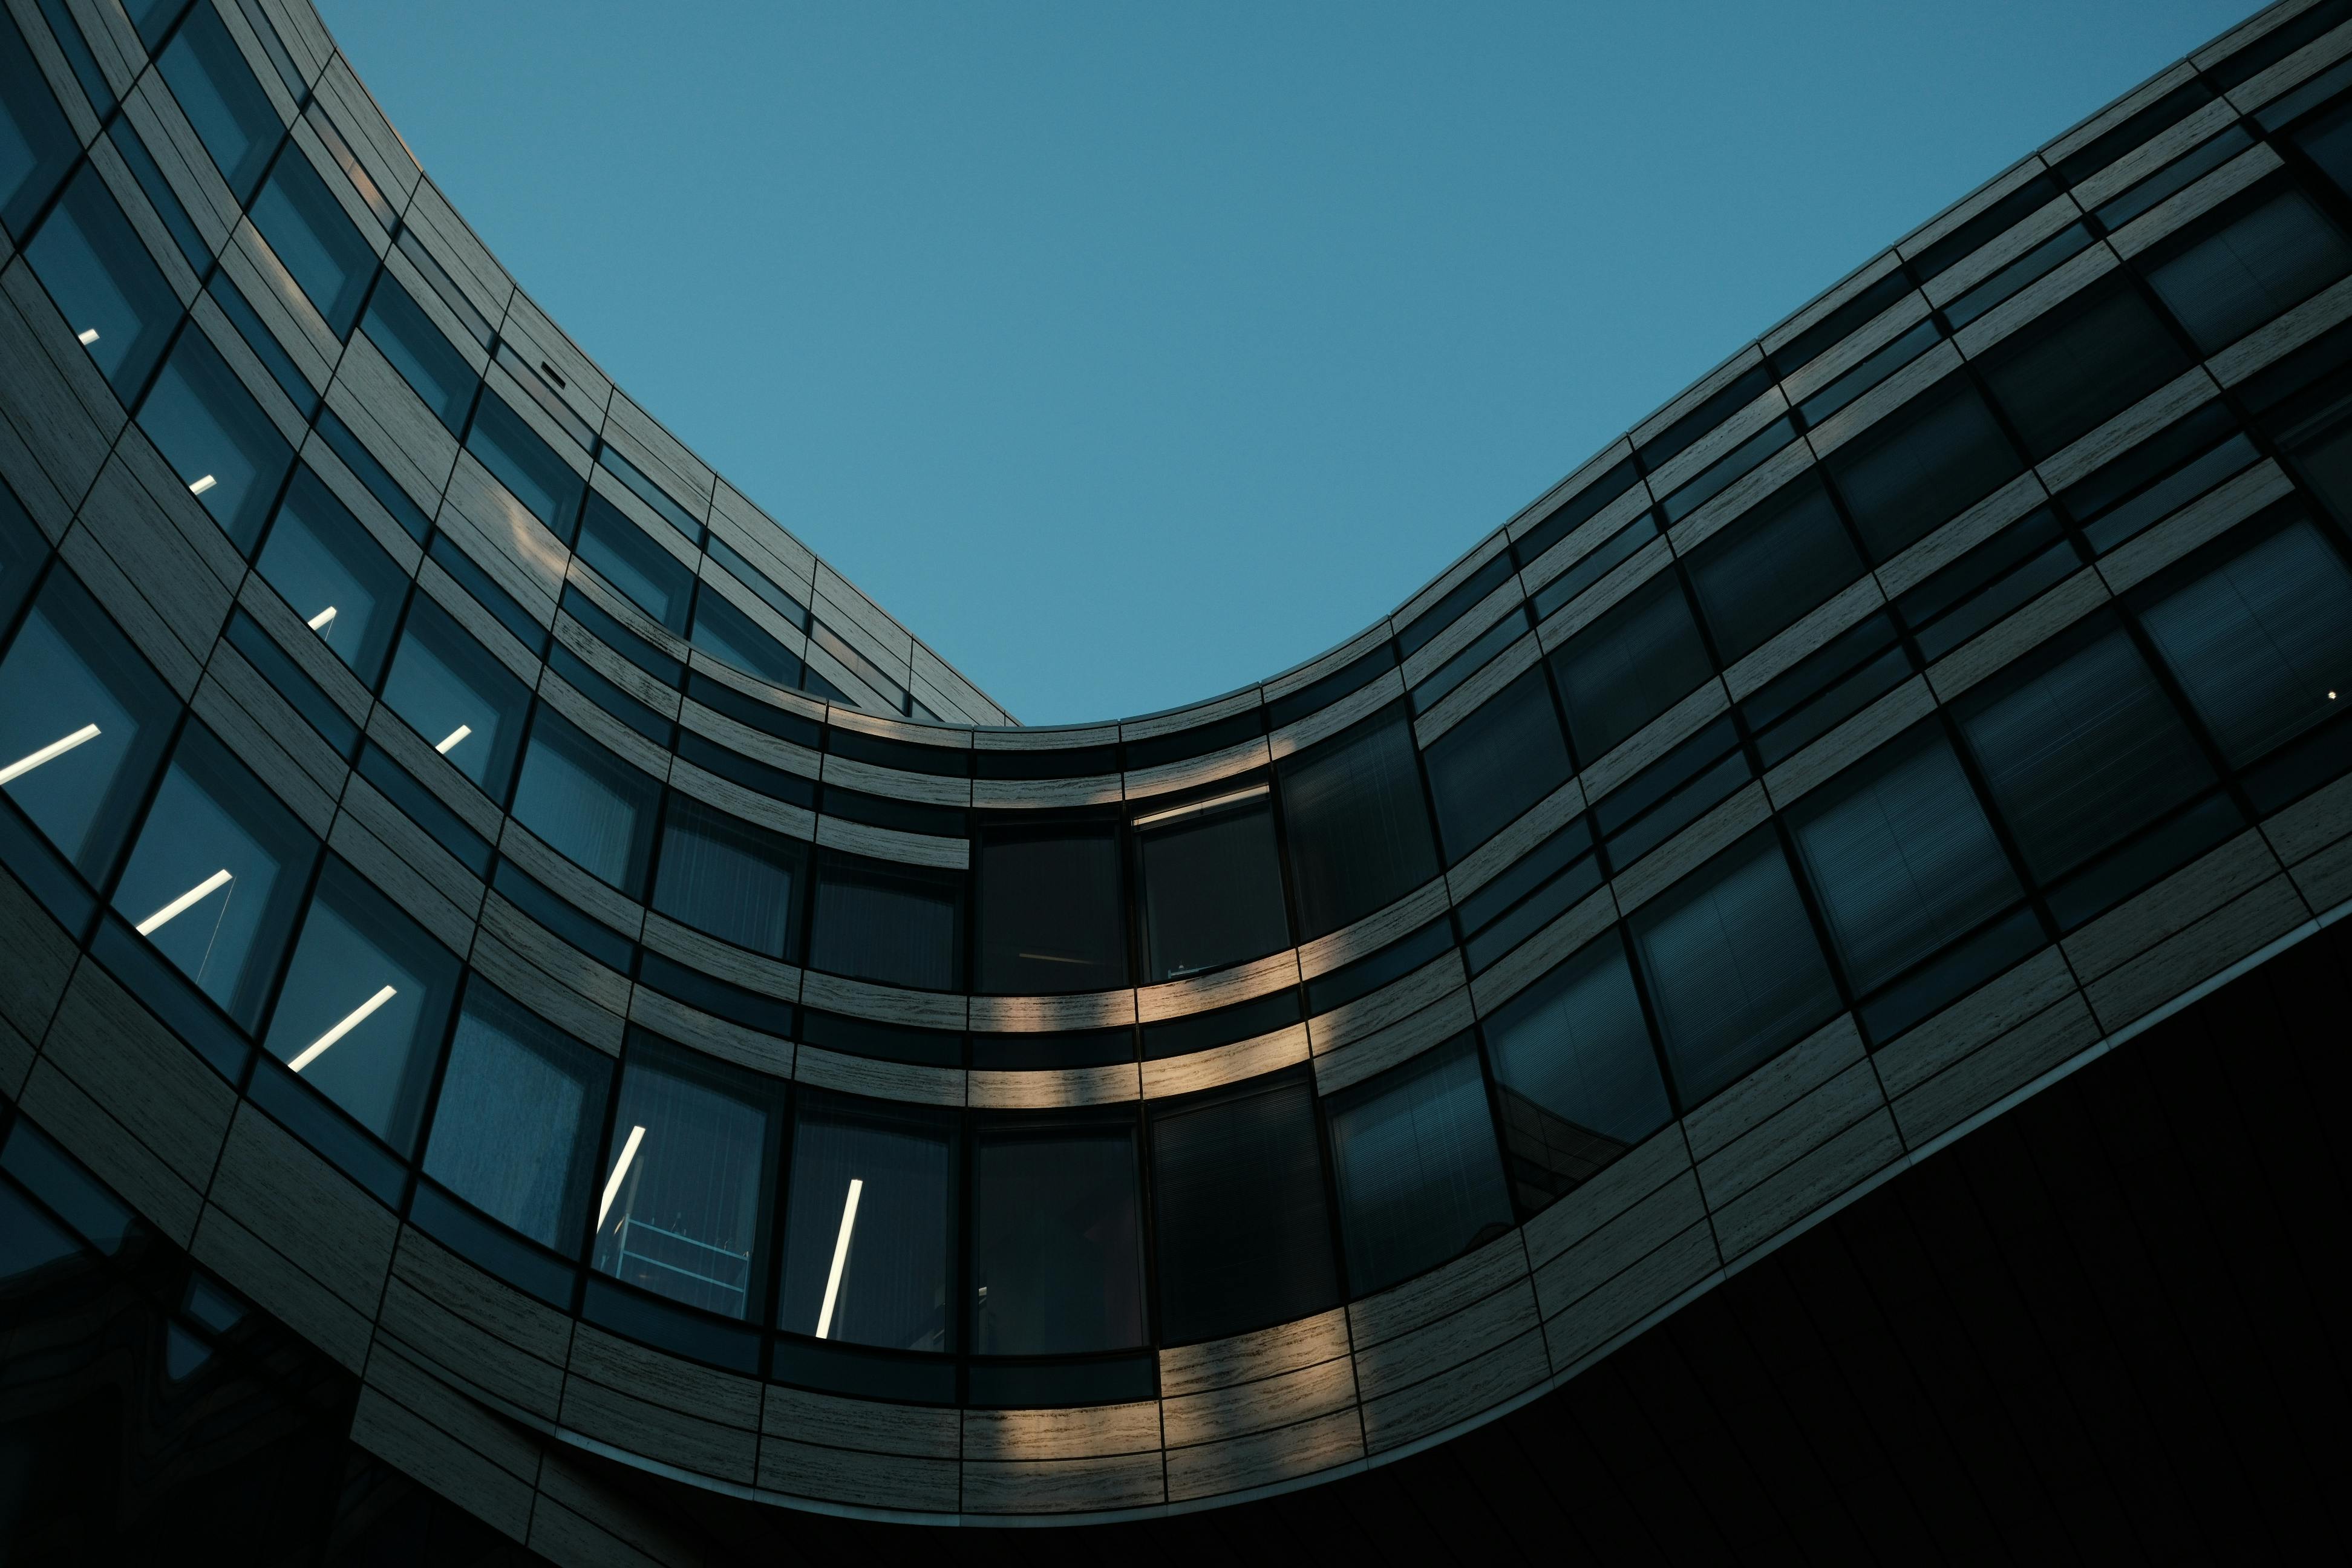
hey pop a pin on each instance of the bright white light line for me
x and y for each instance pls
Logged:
(179, 906)
(456, 735)
(352, 1020)
(201, 486)
(840, 1256)
(620, 1169)
(86, 336)
(323, 619)
(49, 752)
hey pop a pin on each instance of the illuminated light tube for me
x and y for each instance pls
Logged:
(322, 620)
(201, 486)
(181, 905)
(352, 1020)
(840, 1256)
(86, 336)
(1200, 805)
(620, 1169)
(57, 749)
(456, 735)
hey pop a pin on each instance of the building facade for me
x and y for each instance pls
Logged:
(536, 1014)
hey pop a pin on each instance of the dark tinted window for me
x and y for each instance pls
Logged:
(526, 465)
(428, 362)
(740, 882)
(2070, 373)
(465, 704)
(1413, 1155)
(1209, 890)
(1769, 568)
(869, 1226)
(880, 920)
(627, 557)
(587, 802)
(217, 438)
(2230, 278)
(1573, 512)
(522, 1105)
(1047, 910)
(1921, 466)
(37, 145)
(335, 576)
(1243, 1226)
(1495, 763)
(308, 229)
(1358, 828)
(211, 83)
(1057, 1239)
(112, 293)
(1733, 966)
(1633, 664)
(1575, 1074)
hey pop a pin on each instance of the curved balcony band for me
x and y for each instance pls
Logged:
(511, 912)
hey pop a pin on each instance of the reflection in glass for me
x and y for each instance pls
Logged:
(512, 451)
(1487, 770)
(465, 703)
(1732, 964)
(1241, 1221)
(215, 89)
(1210, 890)
(627, 557)
(869, 1229)
(1413, 1154)
(722, 875)
(678, 1214)
(1901, 856)
(112, 294)
(521, 1104)
(1047, 910)
(724, 631)
(215, 877)
(587, 804)
(83, 724)
(360, 1013)
(1357, 822)
(215, 437)
(309, 232)
(1056, 1240)
(339, 580)
(415, 347)
(1575, 1073)
(1638, 659)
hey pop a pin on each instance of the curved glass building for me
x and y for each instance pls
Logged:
(1785, 1000)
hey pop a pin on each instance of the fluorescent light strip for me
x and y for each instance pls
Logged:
(840, 1256)
(456, 735)
(352, 1020)
(1215, 800)
(49, 752)
(620, 1169)
(322, 620)
(179, 905)
(201, 486)
(86, 336)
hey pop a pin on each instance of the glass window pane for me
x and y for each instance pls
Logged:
(1357, 824)
(587, 804)
(521, 1103)
(739, 882)
(693, 1151)
(1048, 909)
(310, 233)
(2262, 642)
(2081, 749)
(1921, 466)
(215, 877)
(2064, 378)
(110, 290)
(2227, 283)
(215, 437)
(336, 577)
(428, 362)
(1492, 765)
(1210, 890)
(727, 633)
(1413, 1154)
(1733, 967)
(1901, 856)
(1056, 1240)
(878, 920)
(545, 484)
(1771, 567)
(1243, 1226)
(869, 1231)
(1575, 1072)
(1637, 660)
(37, 145)
(213, 86)
(360, 1015)
(83, 724)
(626, 556)
(466, 705)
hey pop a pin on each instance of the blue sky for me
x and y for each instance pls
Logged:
(1128, 354)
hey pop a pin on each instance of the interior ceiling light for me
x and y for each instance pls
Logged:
(181, 905)
(323, 619)
(56, 749)
(201, 486)
(620, 1169)
(87, 336)
(352, 1020)
(452, 737)
(840, 1256)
